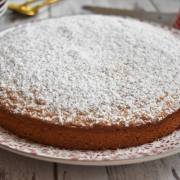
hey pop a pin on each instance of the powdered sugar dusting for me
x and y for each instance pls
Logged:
(93, 69)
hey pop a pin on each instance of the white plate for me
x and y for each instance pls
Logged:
(3, 11)
(166, 146)
(2, 1)
(3, 8)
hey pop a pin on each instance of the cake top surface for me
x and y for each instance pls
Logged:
(90, 69)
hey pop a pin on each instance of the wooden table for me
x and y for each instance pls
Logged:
(13, 166)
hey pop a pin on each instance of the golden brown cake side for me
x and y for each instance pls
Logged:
(94, 138)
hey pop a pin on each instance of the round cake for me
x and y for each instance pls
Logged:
(90, 82)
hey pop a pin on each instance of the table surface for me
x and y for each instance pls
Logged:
(13, 166)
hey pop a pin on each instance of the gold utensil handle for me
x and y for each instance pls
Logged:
(45, 3)
(15, 6)
(28, 2)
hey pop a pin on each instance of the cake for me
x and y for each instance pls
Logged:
(90, 82)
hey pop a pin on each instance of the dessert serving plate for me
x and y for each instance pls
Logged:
(163, 147)
(3, 6)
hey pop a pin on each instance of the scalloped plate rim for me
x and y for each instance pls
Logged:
(94, 162)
